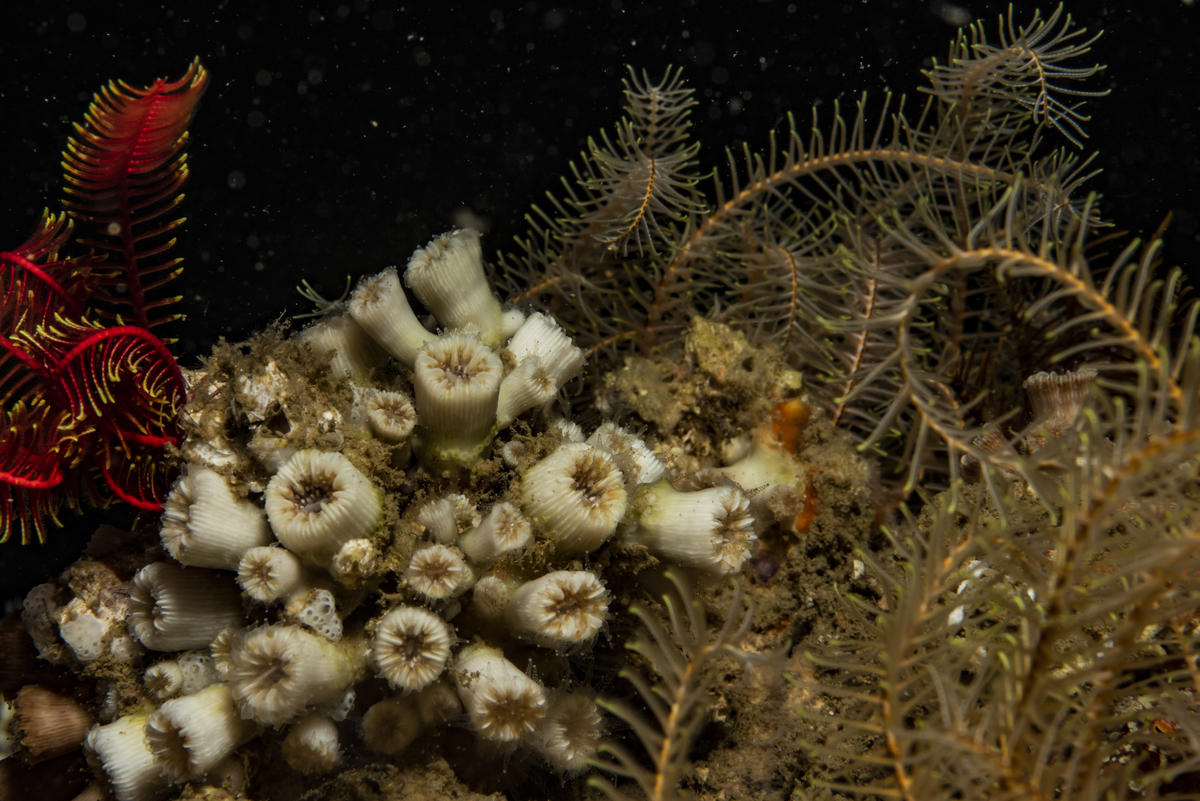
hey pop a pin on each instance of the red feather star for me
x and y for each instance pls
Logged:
(89, 395)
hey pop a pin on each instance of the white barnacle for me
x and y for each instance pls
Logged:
(203, 525)
(562, 608)
(439, 571)
(575, 497)
(173, 608)
(380, 306)
(711, 529)
(318, 501)
(191, 734)
(277, 672)
(456, 380)
(502, 702)
(447, 276)
(410, 647)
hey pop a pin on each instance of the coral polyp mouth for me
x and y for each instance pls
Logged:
(595, 481)
(270, 676)
(314, 495)
(461, 366)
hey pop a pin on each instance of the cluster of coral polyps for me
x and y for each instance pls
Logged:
(380, 530)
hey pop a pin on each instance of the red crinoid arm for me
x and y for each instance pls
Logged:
(22, 375)
(31, 470)
(123, 381)
(121, 391)
(123, 169)
(35, 287)
(34, 283)
(141, 476)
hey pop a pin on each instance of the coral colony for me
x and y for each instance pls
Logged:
(387, 543)
(298, 496)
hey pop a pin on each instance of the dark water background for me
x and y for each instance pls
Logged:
(336, 137)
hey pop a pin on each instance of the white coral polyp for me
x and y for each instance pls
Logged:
(541, 336)
(561, 608)
(390, 415)
(456, 381)
(312, 745)
(447, 276)
(503, 703)
(438, 572)
(528, 387)
(352, 353)
(391, 725)
(203, 525)
(575, 497)
(270, 573)
(569, 736)
(124, 755)
(277, 672)
(504, 530)
(711, 529)
(410, 647)
(319, 501)
(191, 734)
(173, 608)
(380, 306)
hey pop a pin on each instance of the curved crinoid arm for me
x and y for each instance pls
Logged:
(31, 469)
(119, 390)
(1017, 290)
(682, 650)
(123, 170)
(35, 286)
(139, 475)
(36, 449)
(645, 176)
(34, 282)
(123, 380)
(1031, 659)
(628, 198)
(1026, 76)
